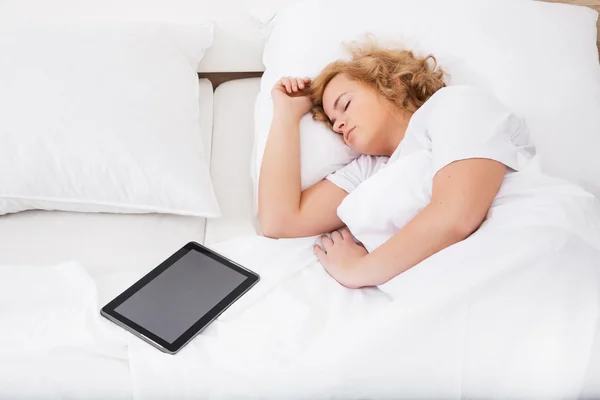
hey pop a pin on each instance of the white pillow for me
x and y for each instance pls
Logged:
(538, 58)
(103, 117)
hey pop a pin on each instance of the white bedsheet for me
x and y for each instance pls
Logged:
(527, 331)
(54, 345)
(524, 330)
(101, 242)
(473, 321)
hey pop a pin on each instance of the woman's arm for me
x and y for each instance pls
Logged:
(283, 209)
(463, 192)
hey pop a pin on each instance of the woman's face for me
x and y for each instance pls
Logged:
(360, 114)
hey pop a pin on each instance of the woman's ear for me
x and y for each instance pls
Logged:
(397, 80)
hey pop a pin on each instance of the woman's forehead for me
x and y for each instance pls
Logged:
(338, 85)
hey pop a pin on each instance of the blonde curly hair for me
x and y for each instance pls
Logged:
(381, 68)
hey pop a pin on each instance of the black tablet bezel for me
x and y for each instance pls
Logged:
(198, 326)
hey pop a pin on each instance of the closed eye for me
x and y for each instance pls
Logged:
(345, 108)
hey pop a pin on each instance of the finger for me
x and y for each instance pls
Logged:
(345, 232)
(290, 84)
(294, 84)
(321, 255)
(327, 243)
(306, 79)
(287, 84)
(336, 236)
(300, 82)
(281, 85)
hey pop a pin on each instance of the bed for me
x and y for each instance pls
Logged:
(91, 257)
(119, 248)
(137, 240)
(112, 242)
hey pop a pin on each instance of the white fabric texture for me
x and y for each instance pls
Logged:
(468, 123)
(103, 242)
(519, 324)
(265, 12)
(456, 123)
(56, 344)
(103, 117)
(135, 241)
(473, 42)
(231, 152)
(238, 43)
(511, 311)
(351, 175)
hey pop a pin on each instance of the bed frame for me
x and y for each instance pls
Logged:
(216, 78)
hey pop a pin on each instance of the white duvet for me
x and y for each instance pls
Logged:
(511, 312)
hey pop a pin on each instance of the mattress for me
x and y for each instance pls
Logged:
(104, 242)
(233, 136)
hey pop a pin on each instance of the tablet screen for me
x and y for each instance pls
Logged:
(179, 296)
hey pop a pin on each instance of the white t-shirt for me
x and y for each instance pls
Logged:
(456, 123)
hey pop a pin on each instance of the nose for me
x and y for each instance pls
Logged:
(340, 126)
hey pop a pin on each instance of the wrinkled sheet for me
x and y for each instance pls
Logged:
(474, 321)
(513, 311)
(54, 344)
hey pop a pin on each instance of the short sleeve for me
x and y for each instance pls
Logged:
(353, 174)
(466, 122)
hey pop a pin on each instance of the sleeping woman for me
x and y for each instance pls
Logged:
(458, 145)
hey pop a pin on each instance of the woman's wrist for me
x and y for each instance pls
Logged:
(286, 115)
(358, 273)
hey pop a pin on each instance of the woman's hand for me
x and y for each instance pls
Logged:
(290, 95)
(341, 257)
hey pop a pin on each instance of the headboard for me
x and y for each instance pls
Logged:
(251, 41)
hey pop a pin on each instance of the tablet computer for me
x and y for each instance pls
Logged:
(175, 301)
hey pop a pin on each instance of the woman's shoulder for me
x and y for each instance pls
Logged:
(462, 107)
(368, 162)
(464, 119)
(449, 102)
(357, 171)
